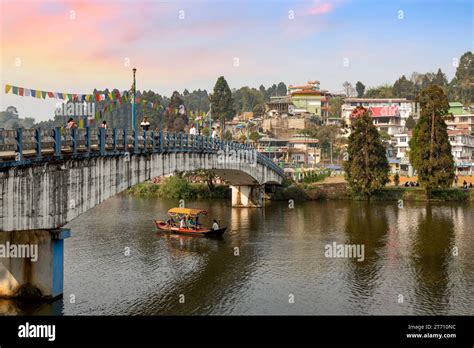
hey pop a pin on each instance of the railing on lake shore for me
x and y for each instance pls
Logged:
(31, 146)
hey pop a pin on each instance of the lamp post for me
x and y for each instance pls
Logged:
(134, 97)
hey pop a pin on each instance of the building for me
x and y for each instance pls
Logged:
(281, 105)
(303, 150)
(462, 148)
(463, 117)
(276, 149)
(402, 148)
(310, 99)
(389, 115)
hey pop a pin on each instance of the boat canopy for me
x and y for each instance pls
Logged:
(186, 211)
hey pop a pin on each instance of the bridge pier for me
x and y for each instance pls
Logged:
(31, 263)
(247, 196)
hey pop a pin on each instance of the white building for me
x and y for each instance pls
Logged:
(462, 148)
(389, 115)
(402, 147)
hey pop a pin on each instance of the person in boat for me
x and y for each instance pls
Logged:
(190, 222)
(215, 225)
(170, 222)
(182, 223)
(198, 224)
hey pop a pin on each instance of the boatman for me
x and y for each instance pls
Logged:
(215, 225)
(193, 130)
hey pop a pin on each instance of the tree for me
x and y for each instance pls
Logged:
(462, 85)
(348, 89)
(440, 80)
(410, 123)
(367, 166)
(221, 100)
(254, 136)
(396, 179)
(281, 89)
(404, 88)
(430, 150)
(258, 110)
(335, 105)
(385, 91)
(228, 135)
(360, 88)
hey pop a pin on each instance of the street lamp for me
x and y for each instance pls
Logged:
(134, 96)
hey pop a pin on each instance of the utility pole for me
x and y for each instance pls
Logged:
(134, 97)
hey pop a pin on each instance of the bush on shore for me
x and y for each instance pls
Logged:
(176, 187)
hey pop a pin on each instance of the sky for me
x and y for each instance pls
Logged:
(76, 46)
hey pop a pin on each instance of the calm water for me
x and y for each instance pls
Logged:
(408, 252)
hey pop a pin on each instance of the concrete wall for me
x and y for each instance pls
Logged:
(38, 274)
(50, 195)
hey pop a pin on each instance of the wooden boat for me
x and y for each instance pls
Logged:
(179, 213)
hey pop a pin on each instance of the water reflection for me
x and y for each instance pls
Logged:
(431, 254)
(368, 227)
(116, 263)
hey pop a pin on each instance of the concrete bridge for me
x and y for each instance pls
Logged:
(49, 178)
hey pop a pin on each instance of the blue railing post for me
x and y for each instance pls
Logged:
(180, 141)
(38, 142)
(153, 142)
(19, 141)
(114, 138)
(125, 141)
(57, 142)
(74, 140)
(144, 141)
(102, 141)
(135, 141)
(88, 140)
(161, 141)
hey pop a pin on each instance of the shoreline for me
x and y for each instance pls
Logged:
(309, 192)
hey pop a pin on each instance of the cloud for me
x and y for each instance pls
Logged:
(319, 8)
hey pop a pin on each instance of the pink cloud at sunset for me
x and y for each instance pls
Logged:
(320, 8)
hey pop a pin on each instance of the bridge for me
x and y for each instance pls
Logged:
(48, 178)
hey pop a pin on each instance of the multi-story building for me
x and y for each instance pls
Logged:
(463, 118)
(276, 149)
(310, 99)
(389, 115)
(303, 150)
(402, 148)
(462, 148)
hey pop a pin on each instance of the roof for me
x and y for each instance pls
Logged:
(303, 139)
(458, 132)
(186, 211)
(455, 104)
(377, 111)
(375, 100)
(273, 139)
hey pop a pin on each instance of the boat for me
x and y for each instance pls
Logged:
(178, 214)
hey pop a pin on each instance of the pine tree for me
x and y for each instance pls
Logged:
(360, 88)
(221, 99)
(430, 150)
(367, 166)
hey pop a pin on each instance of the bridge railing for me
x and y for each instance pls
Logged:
(25, 146)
